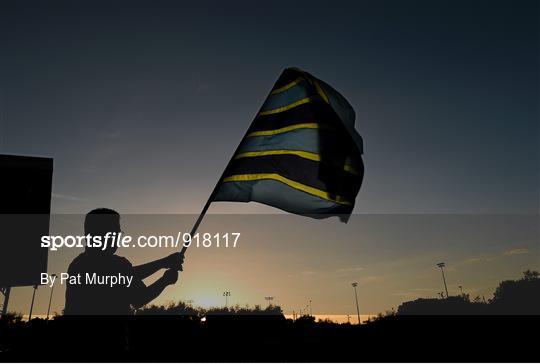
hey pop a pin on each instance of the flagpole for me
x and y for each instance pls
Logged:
(216, 188)
(205, 208)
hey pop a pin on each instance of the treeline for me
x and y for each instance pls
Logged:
(186, 309)
(512, 297)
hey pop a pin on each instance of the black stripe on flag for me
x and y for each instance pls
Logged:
(316, 111)
(324, 176)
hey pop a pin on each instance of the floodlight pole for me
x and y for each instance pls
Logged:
(32, 304)
(50, 298)
(226, 294)
(441, 266)
(355, 284)
(5, 291)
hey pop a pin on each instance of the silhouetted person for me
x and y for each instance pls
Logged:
(93, 299)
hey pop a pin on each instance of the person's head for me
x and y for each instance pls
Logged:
(99, 222)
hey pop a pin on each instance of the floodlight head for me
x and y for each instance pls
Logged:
(354, 284)
(440, 265)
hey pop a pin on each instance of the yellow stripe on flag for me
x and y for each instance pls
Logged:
(300, 153)
(284, 129)
(287, 86)
(296, 185)
(287, 107)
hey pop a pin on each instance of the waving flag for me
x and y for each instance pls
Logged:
(301, 154)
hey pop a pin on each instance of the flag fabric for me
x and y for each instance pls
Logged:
(301, 153)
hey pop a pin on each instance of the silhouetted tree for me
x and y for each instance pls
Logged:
(12, 318)
(520, 296)
(529, 275)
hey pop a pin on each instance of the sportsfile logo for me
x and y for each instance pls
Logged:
(121, 240)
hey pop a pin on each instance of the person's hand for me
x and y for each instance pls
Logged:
(170, 276)
(173, 261)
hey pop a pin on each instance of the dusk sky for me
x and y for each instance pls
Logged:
(141, 105)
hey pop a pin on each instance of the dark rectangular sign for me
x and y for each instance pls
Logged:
(25, 204)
